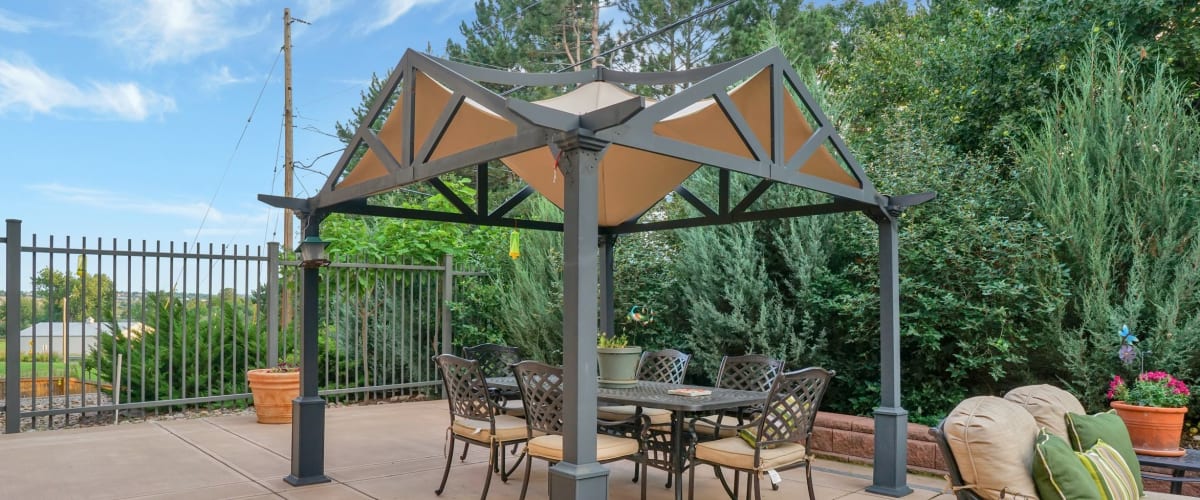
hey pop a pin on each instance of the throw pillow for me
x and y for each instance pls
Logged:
(992, 443)
(1085, 430)
(1048, 405)
(1109, 471)
(1058, 473)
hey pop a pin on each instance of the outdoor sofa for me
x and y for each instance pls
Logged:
(989, 443)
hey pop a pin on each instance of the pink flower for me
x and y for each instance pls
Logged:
(1154, 376)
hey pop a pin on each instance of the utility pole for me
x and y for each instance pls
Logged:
(288, 246)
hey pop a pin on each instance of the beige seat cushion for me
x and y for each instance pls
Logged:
(1048, 405)
(992, 441)
(657, 415)
(550, 447)
(508, 428)
(734, 452)
(727, 426)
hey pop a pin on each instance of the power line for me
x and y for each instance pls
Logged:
(236, 147)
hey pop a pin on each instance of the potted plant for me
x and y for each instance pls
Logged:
(1152, 406)
(273, 390)
(618, 361)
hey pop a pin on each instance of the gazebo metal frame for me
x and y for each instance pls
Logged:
(579, 141)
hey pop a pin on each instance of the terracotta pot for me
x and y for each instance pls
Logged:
(273, 394)
(1154, 431)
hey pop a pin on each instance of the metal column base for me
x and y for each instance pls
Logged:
(891, 453)
(308, 442)
(579, 482)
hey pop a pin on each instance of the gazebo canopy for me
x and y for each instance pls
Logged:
(605, 156)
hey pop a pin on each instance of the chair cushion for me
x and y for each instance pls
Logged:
(550, 447)
(1085, 430)
(1048, 404)
(1058, 473)
(705, 429)
(657, 415)
(508, 428)
(992, 441)
(734, 452)
(1109, 471)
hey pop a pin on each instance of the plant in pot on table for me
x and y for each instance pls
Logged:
(273, 390)
(1152, 405)
(618, 361)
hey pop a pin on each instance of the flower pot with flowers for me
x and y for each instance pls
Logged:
(1152, 406)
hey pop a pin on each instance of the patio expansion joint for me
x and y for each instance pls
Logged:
(213, 456)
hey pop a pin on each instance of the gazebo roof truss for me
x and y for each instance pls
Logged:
(752, 116)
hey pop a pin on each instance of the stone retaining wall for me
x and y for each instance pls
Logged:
(852, 438)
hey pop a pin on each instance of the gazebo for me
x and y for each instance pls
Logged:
(606, 156)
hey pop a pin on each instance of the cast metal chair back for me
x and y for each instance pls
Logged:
(668, 366)
(541, 387)
(494, 359)
(751, 372)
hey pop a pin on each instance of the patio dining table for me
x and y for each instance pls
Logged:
(655, 395)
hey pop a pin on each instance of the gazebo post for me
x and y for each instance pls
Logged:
(308, 410)
(608, 321)
(579, 476)
(891, 420)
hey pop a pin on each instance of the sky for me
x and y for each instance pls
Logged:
(122, 118)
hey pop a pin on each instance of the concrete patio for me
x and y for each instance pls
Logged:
(378, 451)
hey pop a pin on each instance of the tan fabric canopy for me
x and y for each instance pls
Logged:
(631, 180)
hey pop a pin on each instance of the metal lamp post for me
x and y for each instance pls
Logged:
(308, 410)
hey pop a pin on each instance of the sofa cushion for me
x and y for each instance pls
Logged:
(1058, 473)
(1109, 471)
(1085, 430)
(1049, 406)
(993, 444)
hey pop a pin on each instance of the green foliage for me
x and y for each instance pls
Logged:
(745, 286)
(530, 289)
(1114, 169)
(187, 350)
(87, 295)
(606, 341)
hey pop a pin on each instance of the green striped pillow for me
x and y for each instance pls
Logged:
(1111, 473)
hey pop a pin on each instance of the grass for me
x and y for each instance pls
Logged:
(43, 367)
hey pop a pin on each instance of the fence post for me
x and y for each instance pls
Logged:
(447, 298)
(272, 303)
(12, 330)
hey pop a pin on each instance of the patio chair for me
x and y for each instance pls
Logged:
(750, 372)
(494, 360)
(666, 366)
(474, 418)
(541, 388)
(778, 439)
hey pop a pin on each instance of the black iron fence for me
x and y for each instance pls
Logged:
(95, 326)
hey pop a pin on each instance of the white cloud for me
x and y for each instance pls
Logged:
(218, 223)
(16, 23)
(311, 10)
(25, 86)
(222, 77)
(393, 10)
(99, 198)
(156, 31)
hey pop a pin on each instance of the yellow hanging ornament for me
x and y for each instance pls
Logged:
(514, 244)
